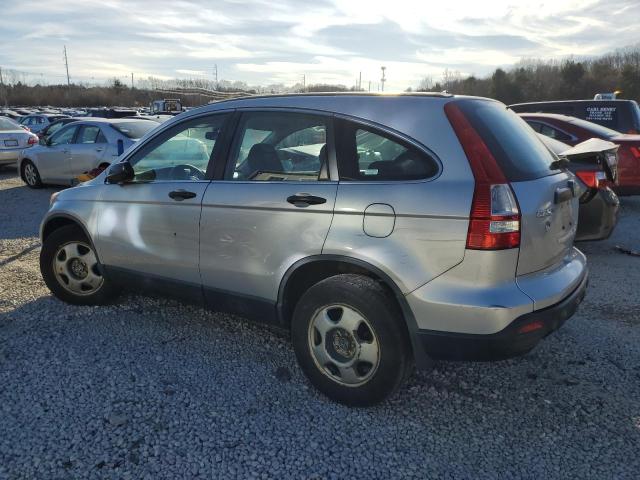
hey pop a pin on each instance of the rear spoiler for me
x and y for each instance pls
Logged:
(605, 152)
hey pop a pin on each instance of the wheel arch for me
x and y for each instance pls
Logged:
(308, 271)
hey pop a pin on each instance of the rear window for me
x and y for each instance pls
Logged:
(515, 145)
(134, 129)
(6, 124)
(595, 128)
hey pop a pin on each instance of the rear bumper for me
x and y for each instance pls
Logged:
(507, 343)
(9, 156)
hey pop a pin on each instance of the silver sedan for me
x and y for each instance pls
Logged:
(13, 139)
(78, 148)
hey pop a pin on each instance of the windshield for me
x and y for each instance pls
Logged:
(594, 128)
(6, 124)
(134, 129)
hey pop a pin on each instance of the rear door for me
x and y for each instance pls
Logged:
(546, 196)
(271, 207)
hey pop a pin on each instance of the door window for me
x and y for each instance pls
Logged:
(88, 134)
(64, 136)
(280, 146)
(554, 133)
(368, 155)
(181, 153)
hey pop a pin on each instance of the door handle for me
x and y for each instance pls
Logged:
(301, 199)
(180, 195)
(99, 149)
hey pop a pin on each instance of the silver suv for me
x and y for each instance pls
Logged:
(383, 231)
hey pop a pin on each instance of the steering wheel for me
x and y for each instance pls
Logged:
(186, 171)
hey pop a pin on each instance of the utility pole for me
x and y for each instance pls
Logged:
(369, 85)
(215, 73)
(66, 64)
(383, 79)
(131, 80)
(304, 82)
(360, 82)
(4, 95)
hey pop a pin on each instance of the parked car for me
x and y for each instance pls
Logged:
(77, 148)
(594, 162)
(573, 131)
(620, 115)
(11, 114)
(53, 127)
(442, 230)
(112, 112)
(38, 122)
(13, 139)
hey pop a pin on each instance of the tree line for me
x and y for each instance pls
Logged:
(537, 80)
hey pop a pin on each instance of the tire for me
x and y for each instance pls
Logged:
(351, 341)
(30, 174)
(70, 268)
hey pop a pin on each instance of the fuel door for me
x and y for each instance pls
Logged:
(379, 220)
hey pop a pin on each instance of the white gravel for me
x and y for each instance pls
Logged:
(152, 388)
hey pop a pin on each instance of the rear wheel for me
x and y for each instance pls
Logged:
(351, 341)
(70, 268)
(31, 175)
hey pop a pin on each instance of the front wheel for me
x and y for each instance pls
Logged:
(31, 175)
(70, 268)
(351, 341)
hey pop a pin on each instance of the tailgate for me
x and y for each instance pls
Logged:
(549, 211)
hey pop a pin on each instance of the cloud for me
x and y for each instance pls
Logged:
(267, 41)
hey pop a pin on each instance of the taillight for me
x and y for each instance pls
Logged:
(494, 221)
(635, 151)
(32, 140)
(591, 178)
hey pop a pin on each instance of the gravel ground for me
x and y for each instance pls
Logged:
(152, 388)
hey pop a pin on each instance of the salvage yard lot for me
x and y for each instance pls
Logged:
(152, 387)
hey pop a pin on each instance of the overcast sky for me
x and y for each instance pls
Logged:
(277, 41)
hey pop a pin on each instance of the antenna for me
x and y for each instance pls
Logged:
(66, 64)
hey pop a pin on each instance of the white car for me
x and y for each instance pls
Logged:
(77, 148)
(13, 139)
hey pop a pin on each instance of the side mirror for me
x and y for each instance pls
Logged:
(121, 172)
(120, 146)
(212, 135)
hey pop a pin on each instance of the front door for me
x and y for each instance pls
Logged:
(53, 159)
(273, 207)
(150, 226)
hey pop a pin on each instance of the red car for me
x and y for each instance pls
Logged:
(571, 130)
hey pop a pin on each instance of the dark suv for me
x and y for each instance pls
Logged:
(620, 115)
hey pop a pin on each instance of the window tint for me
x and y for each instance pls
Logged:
(88, 134)
(518, 151)
(63, 136)
(554, 133)
(367, 155)
(274, 146)
(181, 153)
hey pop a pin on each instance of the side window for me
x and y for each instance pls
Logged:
(279, 146)
(53, 128)
(181, 153)
(40, 120)
(88, 134)
(554, 133)
(63, 136)
(368, 155)
(535, 125)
